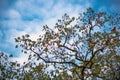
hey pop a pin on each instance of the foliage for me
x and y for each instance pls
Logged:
(6, 67)
(87, 46)
(12, 70)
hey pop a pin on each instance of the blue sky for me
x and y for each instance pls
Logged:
(19, 17)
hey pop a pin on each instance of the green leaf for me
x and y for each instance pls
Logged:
(16, 46)
(16, 40)
(46, 49)
(13, 63)
(25, 52)
(18, 65)
(73, 60)
(27, 35)
(11, 55)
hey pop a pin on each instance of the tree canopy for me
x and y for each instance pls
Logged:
(77, 48)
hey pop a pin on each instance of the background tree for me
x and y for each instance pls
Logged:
(87, 46)
(7, 69)
(10, 69)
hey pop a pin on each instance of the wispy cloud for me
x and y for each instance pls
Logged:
(27, 17)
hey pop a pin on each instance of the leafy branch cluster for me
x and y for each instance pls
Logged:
(87, 46)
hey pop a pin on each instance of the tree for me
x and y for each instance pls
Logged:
(10, 70)
(87, 46)
(7, 71)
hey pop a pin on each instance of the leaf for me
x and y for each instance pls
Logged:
(98, 35)
(117, 58)
(73, 60)
(113, 30)
(92, 45)
(16, 46)
(18, 65)
(27, 35)
(46, 49)
(25, 52)
(39, 67)
(11, 55)
(83, 28)
(13, 63)
(16, 40)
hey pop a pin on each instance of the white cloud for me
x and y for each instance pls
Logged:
(36, 13)
(13, 14)
(21, 58)
(12, 34)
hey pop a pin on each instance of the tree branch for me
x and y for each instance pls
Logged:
(59, 62)
(68, 48)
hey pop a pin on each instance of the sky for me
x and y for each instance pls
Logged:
(19, 17)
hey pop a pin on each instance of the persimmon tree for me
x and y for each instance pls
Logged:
(88, 46)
